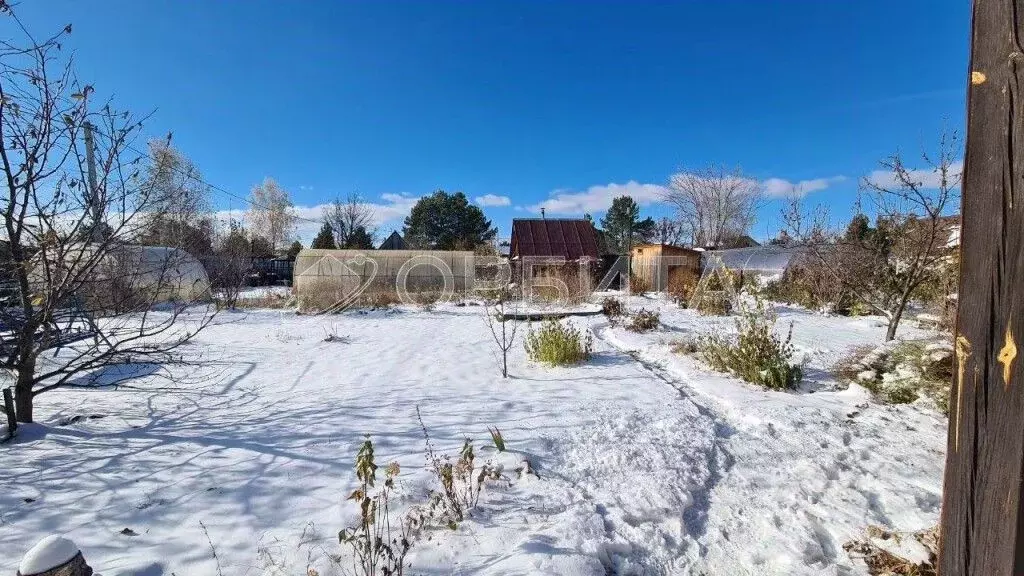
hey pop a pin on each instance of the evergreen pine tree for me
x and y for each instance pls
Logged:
(325, 238)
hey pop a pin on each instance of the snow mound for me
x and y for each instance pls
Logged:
(49, 553)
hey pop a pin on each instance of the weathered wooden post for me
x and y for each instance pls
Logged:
(54, 556)
(12, 419)
(982, 517)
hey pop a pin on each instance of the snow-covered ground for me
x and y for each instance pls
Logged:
(265, 292)
(647, 463)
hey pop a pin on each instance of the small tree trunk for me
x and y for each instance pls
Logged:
(23, 397)
(894, 322)
(12, 418)
(890, 333)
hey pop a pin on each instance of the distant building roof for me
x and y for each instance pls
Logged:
(570, 239)
(393, 242)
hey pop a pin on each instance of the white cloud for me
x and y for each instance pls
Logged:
(598, 198)
(927, 177)
(493, 200)
(781, 188)
(388, 214)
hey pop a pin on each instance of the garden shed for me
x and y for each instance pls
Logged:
(658, 265)
(568, 244)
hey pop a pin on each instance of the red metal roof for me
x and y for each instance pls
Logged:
(571, 239)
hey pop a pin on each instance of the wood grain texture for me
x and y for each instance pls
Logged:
(982, 516)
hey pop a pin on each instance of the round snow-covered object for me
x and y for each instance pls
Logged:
(866, 376)
(938, 346)
(49, 553)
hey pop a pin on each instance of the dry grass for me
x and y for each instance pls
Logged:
(847, 368)
(682, 284)
(687, 345)
(638, 285)
(881, 562)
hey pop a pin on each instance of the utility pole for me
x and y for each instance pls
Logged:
(94, 192)
(95, 203)
(982, 526)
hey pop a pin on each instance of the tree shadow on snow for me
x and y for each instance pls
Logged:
(115, 374)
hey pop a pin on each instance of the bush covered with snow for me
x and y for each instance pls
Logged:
(901, 372)
(755, 354)
(557, 344)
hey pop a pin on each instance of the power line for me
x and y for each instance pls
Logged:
(210, 185)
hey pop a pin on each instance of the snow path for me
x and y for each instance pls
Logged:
(841, 462)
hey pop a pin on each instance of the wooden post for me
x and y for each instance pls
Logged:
(12, 417)
(982, 517)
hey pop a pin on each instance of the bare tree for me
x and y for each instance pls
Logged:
(669, 231)
(229, 264)
(886, 266)
(182, 214)
(498, 322)
(271, 213)
(347, 217)
(713, 204)
(77, 303)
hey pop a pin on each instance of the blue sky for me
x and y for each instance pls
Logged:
(522, 103)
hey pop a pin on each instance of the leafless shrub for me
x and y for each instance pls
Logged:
(851, 364)
(643, 321)
(612, 307)
(503, 329)
(382, 299)
(686, 345)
